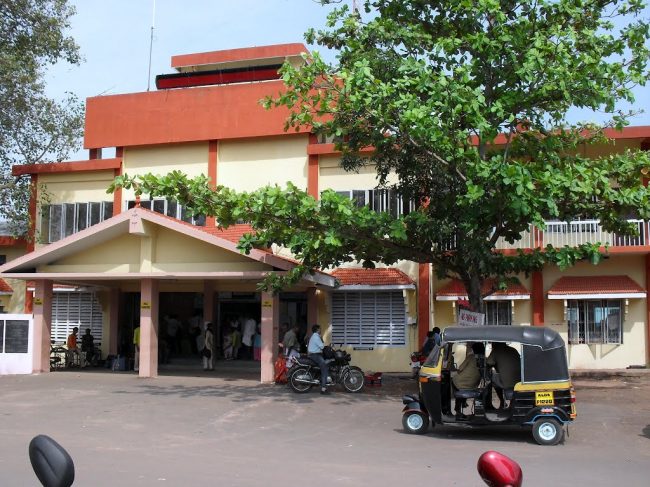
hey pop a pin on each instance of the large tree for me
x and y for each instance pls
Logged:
(463, 105)
(33, 127)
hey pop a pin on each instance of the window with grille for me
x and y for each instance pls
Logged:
(170, 208)
(62, 220)
(70, 309)
(595, 321)
(498, 312)
(368, 318)
(380, 200)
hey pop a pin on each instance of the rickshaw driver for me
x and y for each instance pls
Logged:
(507, 362)
(468, 376)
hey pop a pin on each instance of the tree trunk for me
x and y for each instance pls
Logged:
(473, 287)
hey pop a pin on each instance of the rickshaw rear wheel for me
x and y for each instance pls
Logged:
(548, 431)
(415, 423)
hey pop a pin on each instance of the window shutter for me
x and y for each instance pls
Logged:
(70, 309)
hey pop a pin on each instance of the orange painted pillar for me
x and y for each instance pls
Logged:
(149, 328)
(424, 302)
(42, 326)
(312, 307)
(270, 335)
(117, 195)
(537, 296)
(113, 320)
(312, 171)
(29, 302)
(213, 147)
(647, 305)
(33, 198)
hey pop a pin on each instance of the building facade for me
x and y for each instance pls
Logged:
(108, 262)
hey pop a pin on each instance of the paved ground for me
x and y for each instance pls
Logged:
(188, 428)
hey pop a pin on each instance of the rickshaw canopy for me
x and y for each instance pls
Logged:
(543, 355)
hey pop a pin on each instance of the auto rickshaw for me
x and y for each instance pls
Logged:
(544, 399)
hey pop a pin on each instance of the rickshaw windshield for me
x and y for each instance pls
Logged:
(544, 365)
(433, 357)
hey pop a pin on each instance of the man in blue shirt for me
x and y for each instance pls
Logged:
(315, 352)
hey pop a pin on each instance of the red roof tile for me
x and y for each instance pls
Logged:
(456, 288)
(371, 277)
(233, 233)
(5, 288)
(595, 285)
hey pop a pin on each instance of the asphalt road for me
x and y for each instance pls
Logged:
(197, 430)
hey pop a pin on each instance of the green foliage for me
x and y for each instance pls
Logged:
(33, 128)
(465, 102)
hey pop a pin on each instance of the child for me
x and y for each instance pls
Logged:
(257, 345)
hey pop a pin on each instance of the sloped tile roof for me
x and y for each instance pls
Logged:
(5, 288)
(595, 285)
(371, 277)
(456, 288)
(233, 233)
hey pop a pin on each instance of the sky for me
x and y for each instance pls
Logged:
(114, 38)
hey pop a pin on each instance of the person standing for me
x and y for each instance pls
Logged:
(136, 347)
(290, 340)
(208, 357)
(248, 333)
(257, 345)
(73, 350)
(88, 347)
(315, 352)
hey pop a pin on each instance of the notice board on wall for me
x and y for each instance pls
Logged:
(16, 336)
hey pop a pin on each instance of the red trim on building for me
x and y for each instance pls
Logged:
(213, 147)
(7, 241)
(94, 153)
(537, 295)
(33, 196)
(29, 302)
(187, 80)
(240, 54)
(314, 149)
(117, 194)
(424, 302)
(68, 166)
(385, 276)
(594, 285)
(185, 115)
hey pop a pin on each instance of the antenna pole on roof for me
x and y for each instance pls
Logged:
(153, 21)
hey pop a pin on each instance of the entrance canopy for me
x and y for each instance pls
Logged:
(141, 244)
(455, 291)
(595, 287)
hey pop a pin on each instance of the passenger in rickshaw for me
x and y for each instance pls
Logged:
(507, 362)
(468, 376)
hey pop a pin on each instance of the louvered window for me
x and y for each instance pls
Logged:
(368, 318)
(62, 220)
(170, 208)
(70, 309)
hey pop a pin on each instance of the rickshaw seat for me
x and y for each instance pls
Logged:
(508, 393)
(468, 393)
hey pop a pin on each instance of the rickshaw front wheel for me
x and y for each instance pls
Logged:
(548, 431)
(415, 423)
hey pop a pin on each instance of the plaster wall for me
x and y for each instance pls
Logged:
(333, 176)
(191, 159)
(246, 165)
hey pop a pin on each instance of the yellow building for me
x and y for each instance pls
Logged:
(108, 262)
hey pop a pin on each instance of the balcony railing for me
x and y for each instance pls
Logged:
(560, 234)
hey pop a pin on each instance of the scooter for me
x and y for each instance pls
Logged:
(54, 467)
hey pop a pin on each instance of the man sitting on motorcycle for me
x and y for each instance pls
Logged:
(315, 352)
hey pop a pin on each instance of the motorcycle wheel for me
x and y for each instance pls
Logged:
(303, 373)
(415, 423)
(353, 380)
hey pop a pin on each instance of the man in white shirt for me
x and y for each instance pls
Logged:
(247, 337)
(315, 352)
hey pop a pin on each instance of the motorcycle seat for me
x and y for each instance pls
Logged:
(306, 361)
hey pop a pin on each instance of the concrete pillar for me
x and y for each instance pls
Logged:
(149, 328)
(424, 302)
(312, 307)
(42, 326)
(537, 295)
(113, 320)
(270, 338)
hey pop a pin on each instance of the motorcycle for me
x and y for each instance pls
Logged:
(417, 359)
(54, 467)
(305, 373)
